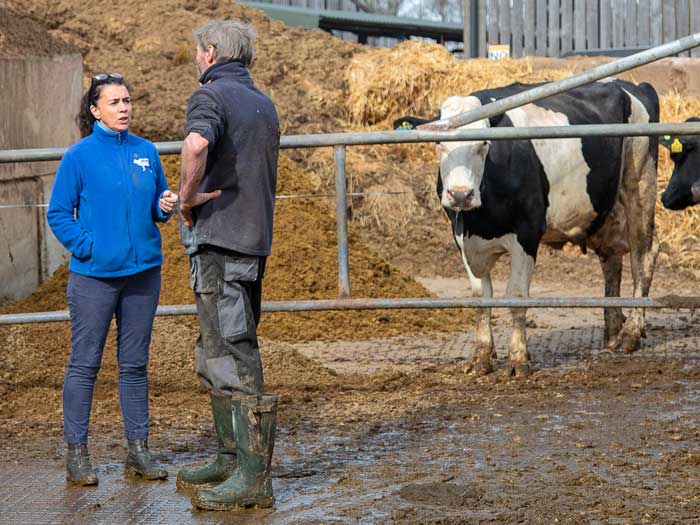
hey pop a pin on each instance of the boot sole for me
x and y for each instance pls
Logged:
(135, 473)
(88, 482)
(263, 503)
(190, 486)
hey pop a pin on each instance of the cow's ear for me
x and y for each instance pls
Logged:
(677, 145)
(674, 144)
(408, 123)
(402, 125)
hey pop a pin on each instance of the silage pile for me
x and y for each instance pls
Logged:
(34, 364)
(21, 37)
(303, 266)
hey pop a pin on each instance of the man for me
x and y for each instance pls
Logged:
(227, 196)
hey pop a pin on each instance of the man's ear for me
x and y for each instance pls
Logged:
(211, 54)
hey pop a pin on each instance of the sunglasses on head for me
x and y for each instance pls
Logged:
(103, 77)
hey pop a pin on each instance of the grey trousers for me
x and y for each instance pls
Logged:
(228, 291)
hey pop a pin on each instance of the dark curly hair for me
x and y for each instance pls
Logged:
(85, 119)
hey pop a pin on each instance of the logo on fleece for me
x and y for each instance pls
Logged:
(143, 162)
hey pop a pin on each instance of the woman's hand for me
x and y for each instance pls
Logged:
(168, 201)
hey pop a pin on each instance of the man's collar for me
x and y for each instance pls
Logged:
(221, 69)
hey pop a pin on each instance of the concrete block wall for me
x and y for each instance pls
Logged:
(40, 99)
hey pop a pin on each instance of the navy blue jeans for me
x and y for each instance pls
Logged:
(93, 302)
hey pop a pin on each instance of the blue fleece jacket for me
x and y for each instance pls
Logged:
(104, 204)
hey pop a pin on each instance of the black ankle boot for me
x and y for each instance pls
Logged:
(141, 462)
(78, 467)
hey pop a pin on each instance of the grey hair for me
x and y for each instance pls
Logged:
(231, 39)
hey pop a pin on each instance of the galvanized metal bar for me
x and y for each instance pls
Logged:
(559, 86)
(540, 132)
(404, 137)
(669, 301)
(341, 222)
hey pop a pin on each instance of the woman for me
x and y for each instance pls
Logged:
(108, 194)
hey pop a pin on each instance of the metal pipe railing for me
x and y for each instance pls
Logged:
(532, 95)
(670, 301)
(404, 137)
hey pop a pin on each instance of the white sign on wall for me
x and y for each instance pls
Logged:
(498, 51)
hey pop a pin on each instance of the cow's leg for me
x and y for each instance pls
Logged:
(612, 273)
(522, 267)
(484, 351)
(638, 198)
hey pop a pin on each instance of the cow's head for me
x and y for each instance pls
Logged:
(683, 189)
(462, 163)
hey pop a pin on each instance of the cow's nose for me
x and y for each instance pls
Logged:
(695, 192)
(460, 198)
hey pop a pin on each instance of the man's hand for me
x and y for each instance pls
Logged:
(197, 199)
(167, 201)
(194, 160)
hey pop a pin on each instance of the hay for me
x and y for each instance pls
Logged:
(389, 205)
(415, 77)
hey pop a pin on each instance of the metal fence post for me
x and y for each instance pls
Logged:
(341, 217)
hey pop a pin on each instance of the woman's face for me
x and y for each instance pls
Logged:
(113, 108)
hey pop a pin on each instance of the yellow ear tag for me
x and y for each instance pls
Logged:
(676, 146)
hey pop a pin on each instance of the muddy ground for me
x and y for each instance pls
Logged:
(391, 430)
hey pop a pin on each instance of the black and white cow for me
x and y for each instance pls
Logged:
(510, 196)
(683, 188)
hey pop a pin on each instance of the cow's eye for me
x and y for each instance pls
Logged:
(440, 147)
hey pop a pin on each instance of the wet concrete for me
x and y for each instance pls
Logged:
(591, 460)
(593, 437)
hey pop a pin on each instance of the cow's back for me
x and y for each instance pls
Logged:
(577, 178)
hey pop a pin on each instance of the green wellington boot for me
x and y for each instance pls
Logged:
(225, 463)
(254, 421)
